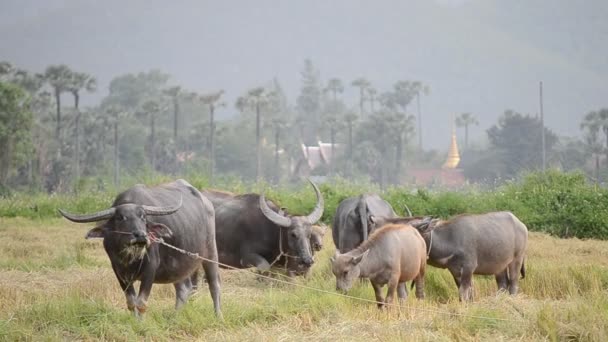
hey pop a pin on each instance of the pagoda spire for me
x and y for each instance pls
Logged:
(453, 155)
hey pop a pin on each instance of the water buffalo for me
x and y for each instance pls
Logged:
(316, 244)
(489, 244)
(179, 214)
(392, 255)
(217, 197)
(352, 222)
(251, 232)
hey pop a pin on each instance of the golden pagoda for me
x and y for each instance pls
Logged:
(453, 155)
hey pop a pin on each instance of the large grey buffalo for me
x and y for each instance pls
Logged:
(490, 244)
(252, 232)
(179, 214)
(353, 220)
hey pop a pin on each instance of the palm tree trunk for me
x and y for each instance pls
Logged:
(258, 144)
(77, 124)
(350, 149)
(597, 169)
(332, 133)
(211, 142)
(116, 156)
(606, 132)
(175, 118)
(361, 95)
(466, 136)
(58, 128)
(153, 141)
(398, 158)
(419, 122)
(5, 158)
(277, 136)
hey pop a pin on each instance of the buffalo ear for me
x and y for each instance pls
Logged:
(159, 229)
(423, 225)
(96, 233)
(356, 260)
(335, 256)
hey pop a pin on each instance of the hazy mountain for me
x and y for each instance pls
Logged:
(480, 56)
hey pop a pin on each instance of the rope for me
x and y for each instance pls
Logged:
(281, 253)
(197, 256)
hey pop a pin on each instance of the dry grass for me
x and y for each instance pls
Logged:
(54, 285)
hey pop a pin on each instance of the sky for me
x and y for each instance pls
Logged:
(478, 56)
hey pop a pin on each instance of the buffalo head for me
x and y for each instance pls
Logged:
(345, 268)
(298, 229)
(127, 226)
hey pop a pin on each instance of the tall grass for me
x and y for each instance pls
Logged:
(62, 287)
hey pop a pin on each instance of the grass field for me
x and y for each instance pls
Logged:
(54, 285)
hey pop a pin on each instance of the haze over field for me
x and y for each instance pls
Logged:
(477, 56)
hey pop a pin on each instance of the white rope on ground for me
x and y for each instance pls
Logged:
(197, 256)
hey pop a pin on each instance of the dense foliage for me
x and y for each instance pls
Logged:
(562, 204)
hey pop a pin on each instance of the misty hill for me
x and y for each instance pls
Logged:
(478, 56)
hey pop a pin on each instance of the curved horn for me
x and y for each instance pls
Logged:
(159, 211)
(317, 212)
(271, 215)
(98, 216)
(408, 210)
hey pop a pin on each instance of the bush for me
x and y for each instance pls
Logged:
(562, 204)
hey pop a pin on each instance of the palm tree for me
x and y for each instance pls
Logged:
(350, 119)
(402, 126)
(425, 90)
(334, 86)
(174, 93)
(79, 81)
(372, 97)
(58, 77)
(151, 108)
(256, 98)
(591, 125)
(115, 113)
(603, 118)
(464, 120)
(212, 101)
(279, 125)
(362, 84)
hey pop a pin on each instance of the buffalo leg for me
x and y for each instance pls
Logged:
(145, 287)
(194, 279)
(256, 261)
(514, 269)
(466, 282)
(212, 275)
(502, 280)
(402, 291)
(182, 291)
(390, 292)
(130, 294)
(378, 293)
(419, 281)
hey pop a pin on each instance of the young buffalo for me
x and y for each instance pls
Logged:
(393, 255)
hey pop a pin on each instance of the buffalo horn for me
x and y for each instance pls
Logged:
(408, 210)
(98, 216)
(318, 210)
(159, 211)
(271, 215)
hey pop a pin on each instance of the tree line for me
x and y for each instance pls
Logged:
(147, 125)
